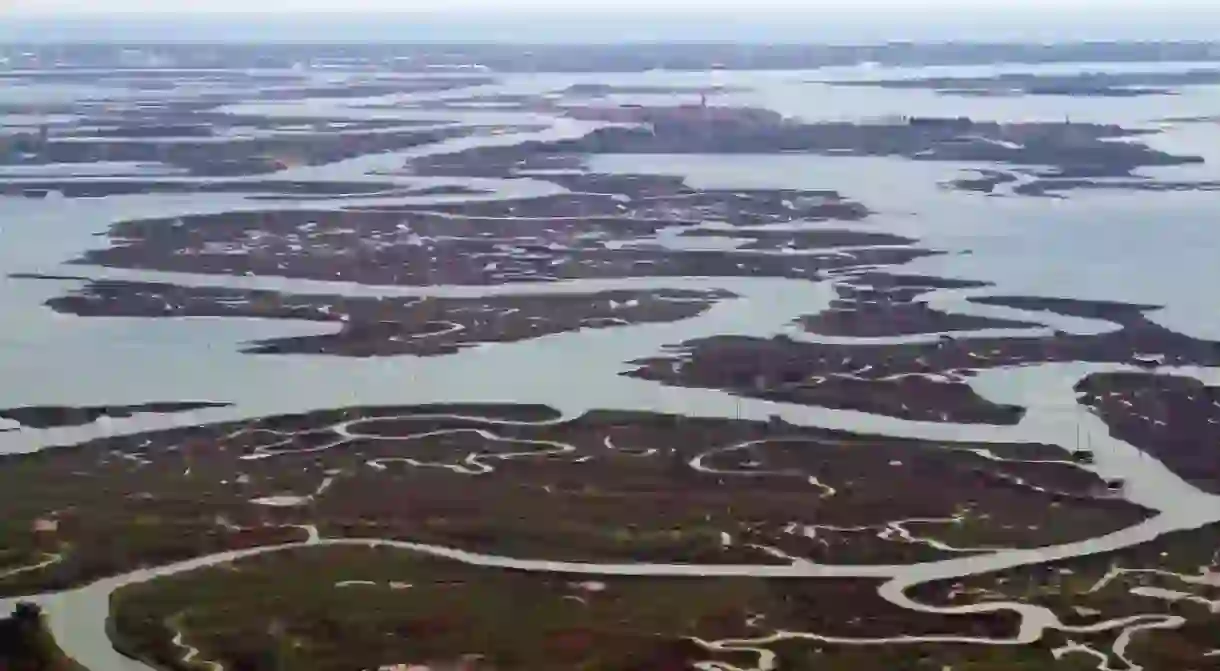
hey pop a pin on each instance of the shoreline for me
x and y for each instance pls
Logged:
(996, 382)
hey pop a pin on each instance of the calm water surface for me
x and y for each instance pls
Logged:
(1147, 247)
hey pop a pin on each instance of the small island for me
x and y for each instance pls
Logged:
(26, 643)
(696, 130)
(922, 380)
(607, 228)
(381, 326)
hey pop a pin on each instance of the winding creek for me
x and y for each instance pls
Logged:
(199, 358)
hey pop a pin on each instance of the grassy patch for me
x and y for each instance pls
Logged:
(343, 608)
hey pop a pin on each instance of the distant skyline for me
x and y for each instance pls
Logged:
(856, 21)
(754, 7)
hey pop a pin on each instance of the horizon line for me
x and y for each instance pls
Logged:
(770, 13)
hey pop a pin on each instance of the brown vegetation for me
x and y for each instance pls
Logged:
(632, 487)
(880, 378)
(298, 610)
(420, 326)
(1175, 419)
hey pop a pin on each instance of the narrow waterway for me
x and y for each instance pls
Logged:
(201, 359)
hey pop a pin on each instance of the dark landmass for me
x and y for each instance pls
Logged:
(985, 181)
(663, 197)
(444, 614)
(184, 120)
(1084, 84)
(479, 262)
(1068, 148)
(140, 132)
(874, 305)
(429, 607)
(151, 115)
(1058, 182)
(405, 192)
(632, 486)
(880, 319)
(281, 190)
(26, 643)
(606, 622)
(235, 86)
(604, 234)
(390, 326)
(947, 398)
(1175, 419)
(1123, 314)
(238, 156)
(47, 417)
(926, 378)
(1053, 188)
(733, 131)
(912, 284)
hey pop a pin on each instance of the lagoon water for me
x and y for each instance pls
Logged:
(1156, 248)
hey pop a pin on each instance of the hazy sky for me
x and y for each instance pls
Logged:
(574, 6)
(593, 20)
